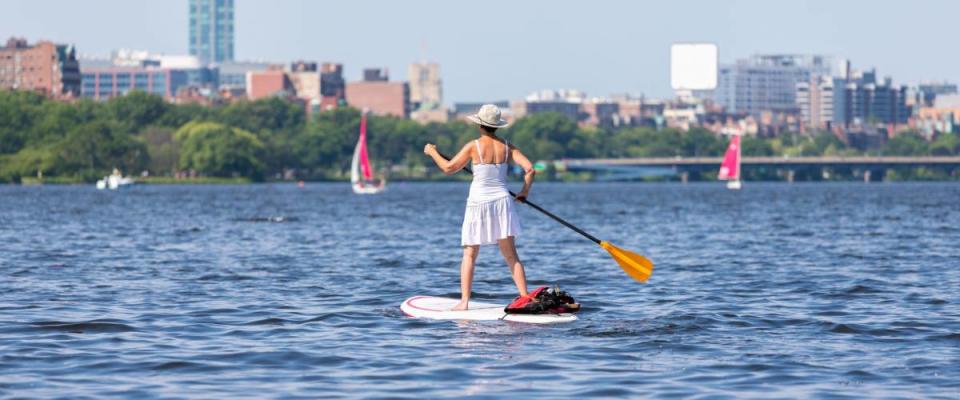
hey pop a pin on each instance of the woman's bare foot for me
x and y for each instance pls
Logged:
(461, 306)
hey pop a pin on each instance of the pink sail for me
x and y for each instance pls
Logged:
(364, 161)
(730, 168)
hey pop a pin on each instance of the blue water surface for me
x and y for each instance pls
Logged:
(271, 291)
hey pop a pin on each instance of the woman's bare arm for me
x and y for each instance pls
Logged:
(528, 172)
(454, 164)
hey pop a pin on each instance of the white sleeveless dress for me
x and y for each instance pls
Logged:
(490, 214)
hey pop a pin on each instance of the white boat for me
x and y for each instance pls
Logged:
(730, 167)
(114, 181)
(361, 175)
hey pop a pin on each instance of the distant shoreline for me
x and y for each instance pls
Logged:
(244, 181)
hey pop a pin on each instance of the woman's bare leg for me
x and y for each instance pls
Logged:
(509, 251)
(466, 275)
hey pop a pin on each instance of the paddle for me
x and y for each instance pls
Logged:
(635, 265)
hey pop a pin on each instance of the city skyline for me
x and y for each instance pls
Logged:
(601, 49)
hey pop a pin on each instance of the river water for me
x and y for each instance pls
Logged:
(819, 290)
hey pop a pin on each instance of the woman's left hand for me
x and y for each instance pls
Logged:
(429, 149)
(522, 197)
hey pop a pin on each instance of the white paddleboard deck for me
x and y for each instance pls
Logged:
(439, 308)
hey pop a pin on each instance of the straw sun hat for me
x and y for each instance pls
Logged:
(489, 115)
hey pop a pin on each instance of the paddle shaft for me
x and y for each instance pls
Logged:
(538, 208)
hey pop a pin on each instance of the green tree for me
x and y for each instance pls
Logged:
(26, 162)
(754, 147)
(137, 109)
(93, 149)
(628, 142)
(946, 144)
(264, 116)
(586, 143)
(663, 143)
(699, 142)
(215, 149)
(19, 111)
(275, 121)
(326, 144)
(163, 150)
(822, 144)
(543, 136)
(906, 144)
(179, 114)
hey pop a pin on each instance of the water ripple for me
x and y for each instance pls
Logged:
(267, 291)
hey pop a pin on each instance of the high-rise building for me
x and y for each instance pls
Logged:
(425, 84)
(828, 102)
(211, 30)
(815, 99)
(768, 82)
(866, 101)
(426, 93)
(45, 67)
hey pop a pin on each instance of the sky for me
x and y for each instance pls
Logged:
(504, 49)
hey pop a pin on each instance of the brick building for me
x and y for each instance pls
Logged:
(262, 84)
(377, 94)
(600, 112)
(44, 67)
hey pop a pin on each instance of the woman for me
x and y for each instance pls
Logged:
(490, 216)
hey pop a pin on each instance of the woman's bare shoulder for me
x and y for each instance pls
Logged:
(469, 148)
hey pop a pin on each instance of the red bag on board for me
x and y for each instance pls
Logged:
(543, 300)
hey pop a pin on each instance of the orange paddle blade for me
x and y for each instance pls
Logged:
(635, 265)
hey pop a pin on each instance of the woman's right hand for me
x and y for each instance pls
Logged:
(429, 149)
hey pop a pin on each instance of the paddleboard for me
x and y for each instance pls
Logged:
(439, 308)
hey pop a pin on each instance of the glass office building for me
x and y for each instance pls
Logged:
(107, 82)
(769, 82)
(211, 30)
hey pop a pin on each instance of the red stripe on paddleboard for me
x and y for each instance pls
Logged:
(410, 303)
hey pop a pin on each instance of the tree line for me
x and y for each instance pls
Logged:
(273, 138)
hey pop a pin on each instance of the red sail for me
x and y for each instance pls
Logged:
(730, 168)
(364, 161)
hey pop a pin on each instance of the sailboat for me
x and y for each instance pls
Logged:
(730, 167)
(361, 175)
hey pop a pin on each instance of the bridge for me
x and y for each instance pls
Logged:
(631, 168)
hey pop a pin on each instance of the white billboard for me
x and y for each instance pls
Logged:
(693, 66)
